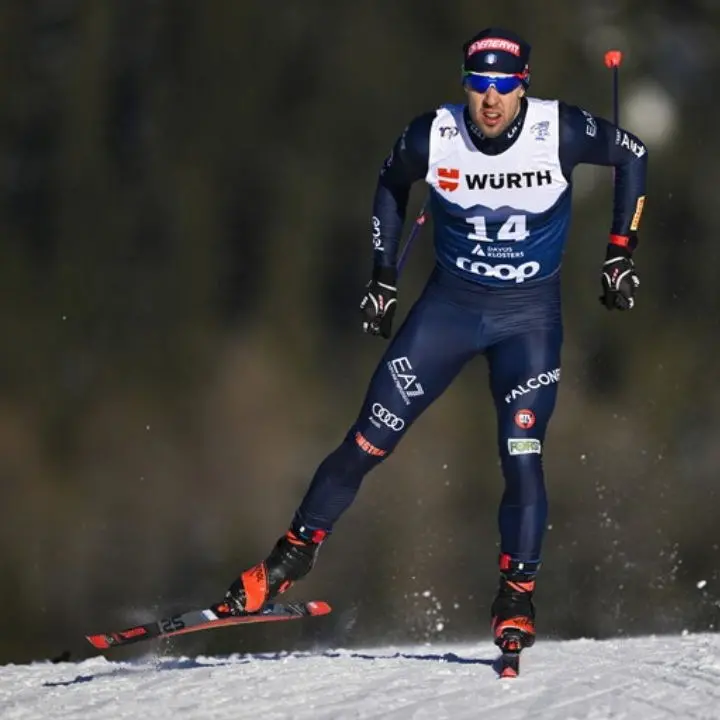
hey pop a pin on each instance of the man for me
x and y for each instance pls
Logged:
(499, 172)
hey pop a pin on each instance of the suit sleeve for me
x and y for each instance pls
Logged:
(406, 163)
(585, 138)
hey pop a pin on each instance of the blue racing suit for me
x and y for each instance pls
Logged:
(495, 291)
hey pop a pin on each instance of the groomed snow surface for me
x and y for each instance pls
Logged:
(638, 678)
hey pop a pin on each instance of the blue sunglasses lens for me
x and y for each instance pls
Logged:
(503, 83)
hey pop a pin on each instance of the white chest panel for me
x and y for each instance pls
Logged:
(527, 177)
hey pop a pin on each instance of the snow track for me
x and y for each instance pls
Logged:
(639, 678)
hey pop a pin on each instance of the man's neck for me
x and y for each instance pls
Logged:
(496, 145)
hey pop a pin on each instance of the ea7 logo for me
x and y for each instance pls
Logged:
(405, 379)
(448, 178)
(590, 124)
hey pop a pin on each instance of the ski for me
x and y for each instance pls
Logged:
(509, 664)
(215, 616)
(511, 645)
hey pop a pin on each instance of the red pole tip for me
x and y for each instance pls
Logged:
(613, 58)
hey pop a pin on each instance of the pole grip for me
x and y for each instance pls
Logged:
(613, 60)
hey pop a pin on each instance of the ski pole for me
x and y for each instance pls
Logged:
(613, 60)
(414, 232)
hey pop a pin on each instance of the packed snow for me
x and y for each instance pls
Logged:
(640, 678)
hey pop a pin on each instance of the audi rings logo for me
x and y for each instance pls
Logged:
(387, 418)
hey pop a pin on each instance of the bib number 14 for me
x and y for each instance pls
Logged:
(513, 229)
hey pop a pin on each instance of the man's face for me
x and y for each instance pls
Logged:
(492, 111)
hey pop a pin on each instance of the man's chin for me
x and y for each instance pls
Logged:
(494, 130)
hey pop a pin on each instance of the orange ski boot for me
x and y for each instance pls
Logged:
(291, 559)
(513, 612)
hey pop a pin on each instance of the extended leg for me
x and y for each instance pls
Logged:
(429, 350)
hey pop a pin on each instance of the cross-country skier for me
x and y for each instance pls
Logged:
(499, 170)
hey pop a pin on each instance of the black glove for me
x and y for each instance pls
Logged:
(379, 303)
(619, 279)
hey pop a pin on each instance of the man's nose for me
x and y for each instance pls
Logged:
(492, 96)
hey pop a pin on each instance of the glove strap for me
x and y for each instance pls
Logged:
(622, 241)
(620, 246)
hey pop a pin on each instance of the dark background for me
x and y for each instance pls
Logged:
(186, 189)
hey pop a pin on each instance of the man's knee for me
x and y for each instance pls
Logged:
(528, 420)
(357, 454)
(369, 446)
(521, 455)
(379, 429)
(523, 474)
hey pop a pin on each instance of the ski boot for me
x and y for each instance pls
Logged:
(513, 613)
(292, 558)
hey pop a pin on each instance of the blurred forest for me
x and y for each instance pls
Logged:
(185, 221)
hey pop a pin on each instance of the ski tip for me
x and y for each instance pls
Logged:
(98, 641)
(319, 607)
(507, 673)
